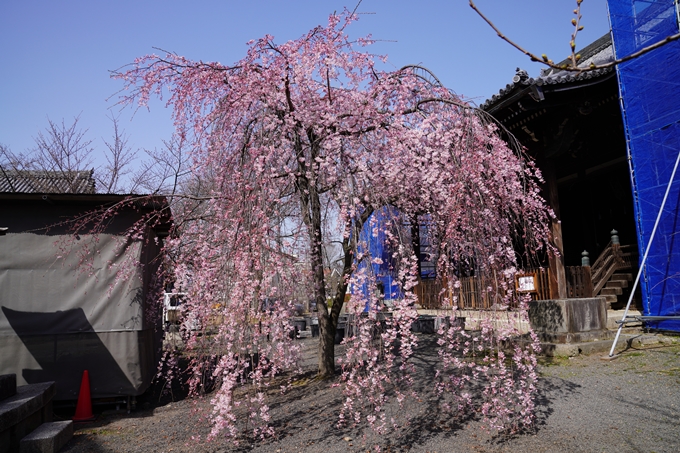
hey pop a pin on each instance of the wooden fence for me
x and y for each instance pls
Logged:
(473, 292)
(579, 282)
(428, 293)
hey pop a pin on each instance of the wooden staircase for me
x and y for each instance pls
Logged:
(616, 286)
(612, 271)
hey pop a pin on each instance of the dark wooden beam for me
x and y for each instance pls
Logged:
(557, 274)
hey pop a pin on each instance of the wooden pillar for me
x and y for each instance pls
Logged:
(556, 274)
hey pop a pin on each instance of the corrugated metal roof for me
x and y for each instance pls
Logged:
(44, 181)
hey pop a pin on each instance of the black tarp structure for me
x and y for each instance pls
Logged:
(74, 302)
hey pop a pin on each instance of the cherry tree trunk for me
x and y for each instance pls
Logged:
(327, 330)
(311, 213)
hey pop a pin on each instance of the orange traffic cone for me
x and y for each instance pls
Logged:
(84, 407)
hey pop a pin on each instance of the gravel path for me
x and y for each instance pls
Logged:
(585, 404)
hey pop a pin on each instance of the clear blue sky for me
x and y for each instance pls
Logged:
(56, 55)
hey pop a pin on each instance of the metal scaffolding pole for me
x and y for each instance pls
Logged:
(644, 258)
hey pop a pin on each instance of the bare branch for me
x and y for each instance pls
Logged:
(119, 156)
(63, 148)
(576, 22)
(574, 68)
(508, 40)
(637, 54)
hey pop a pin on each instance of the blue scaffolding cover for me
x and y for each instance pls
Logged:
(650, 102)
(373, 236)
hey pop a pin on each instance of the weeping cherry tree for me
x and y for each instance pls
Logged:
(296, 149)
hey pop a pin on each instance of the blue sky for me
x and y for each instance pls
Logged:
(56, 55)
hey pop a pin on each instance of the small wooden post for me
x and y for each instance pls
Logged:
(587, 275)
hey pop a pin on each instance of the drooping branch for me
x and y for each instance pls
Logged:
(307, 137)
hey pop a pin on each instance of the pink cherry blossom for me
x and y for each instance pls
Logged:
(293, 149)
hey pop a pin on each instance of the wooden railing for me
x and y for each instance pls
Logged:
(582, 281)
(628, 256)
(473, 294)
(614, 257)
(543, 287)
(604, 266)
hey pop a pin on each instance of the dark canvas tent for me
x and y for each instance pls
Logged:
(70, 302)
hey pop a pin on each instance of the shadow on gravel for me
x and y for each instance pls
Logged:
(309, 411)
(548, 390)
(662, 413)
(431, 423)
(306, 415)
(156, 396)
(426, 420)
(91, 445)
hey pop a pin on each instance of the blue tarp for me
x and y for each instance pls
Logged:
(373, 235)
(650, 101)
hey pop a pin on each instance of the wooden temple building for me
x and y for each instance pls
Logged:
(571, 124)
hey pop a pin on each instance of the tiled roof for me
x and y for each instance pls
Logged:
(44, 181)
(599, 52)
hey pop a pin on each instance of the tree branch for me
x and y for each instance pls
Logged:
(545, 61)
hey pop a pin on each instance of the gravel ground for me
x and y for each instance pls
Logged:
(585, 404)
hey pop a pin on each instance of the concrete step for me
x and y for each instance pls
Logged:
(626, 277)
(611, 291)
(626, 341)
(8, 386)
(48, 438)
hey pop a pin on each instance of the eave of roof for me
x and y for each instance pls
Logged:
(146, 202)
(46, 181)
(598, 52)
(82, 197)
(139, 202)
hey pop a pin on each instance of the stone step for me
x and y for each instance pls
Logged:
(48, 438)
(617, 284)
(304, 333)
(626, 277)
(8, 386)
(22, 413)
(609, 299)
(611, 291)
